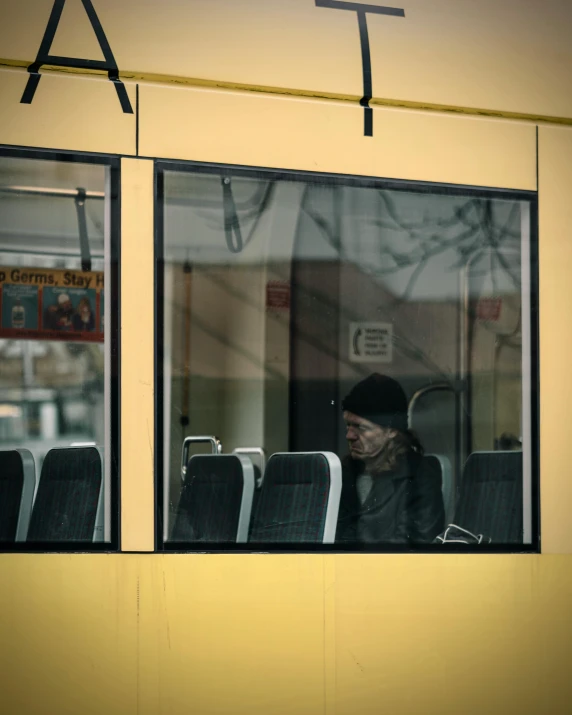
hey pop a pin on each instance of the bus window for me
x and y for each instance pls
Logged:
(390, 324)
(57, 282)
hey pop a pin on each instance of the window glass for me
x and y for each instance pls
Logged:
(55, 348)
(386, 327)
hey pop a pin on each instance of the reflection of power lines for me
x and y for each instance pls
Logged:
(207, 329)
(325, 305)
(471, 228)
(308, 337)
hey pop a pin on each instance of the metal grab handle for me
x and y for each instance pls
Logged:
(437, 387)
(254, 450)
(216, 448)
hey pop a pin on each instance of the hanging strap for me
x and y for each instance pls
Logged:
(82, 225)
(231, 224)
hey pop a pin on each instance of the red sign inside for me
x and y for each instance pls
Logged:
(278, 295)
(489, 309)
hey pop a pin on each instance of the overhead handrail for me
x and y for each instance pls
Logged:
(216, 448)
(56, 193)
(79, 195)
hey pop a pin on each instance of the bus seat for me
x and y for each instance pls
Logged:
(441, 464)
(216, 499)
(299, 499)
(17, 484)
(490, 502)
(69, 499)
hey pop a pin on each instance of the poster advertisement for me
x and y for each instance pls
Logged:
(46, 304)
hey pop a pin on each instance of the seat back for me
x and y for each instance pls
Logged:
(216, 499)
(299, 499)
(69, 499)
(442, 465)
(17, 484)
(490, 502)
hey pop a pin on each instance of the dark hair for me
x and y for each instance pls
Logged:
(403, 442)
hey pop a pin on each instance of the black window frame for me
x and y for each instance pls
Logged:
(112, 334)
(333, 179)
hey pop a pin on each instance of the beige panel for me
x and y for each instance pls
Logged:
(500, 55)
(137, 407)
(275, 635)
(555, 259)
(68, 112)
(242, 128)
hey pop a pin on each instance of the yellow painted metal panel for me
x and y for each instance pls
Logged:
(555, 261)
(498, 55)
(256, 634)
(242, 128)
(70, 636)
(458, 634)
(137, 336)
(68, 112)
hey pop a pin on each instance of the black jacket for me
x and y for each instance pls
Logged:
(403, 507)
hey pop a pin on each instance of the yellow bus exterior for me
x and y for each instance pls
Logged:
(274, 84)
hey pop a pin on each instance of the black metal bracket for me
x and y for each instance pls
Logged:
(108, 65)
(362, 9)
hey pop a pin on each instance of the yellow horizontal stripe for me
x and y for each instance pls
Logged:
(313, 94)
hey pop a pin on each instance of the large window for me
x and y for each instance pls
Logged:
(388, 329)
(58, 351)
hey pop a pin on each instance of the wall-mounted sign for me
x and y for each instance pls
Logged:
(277, 295)
(45, 304)
(371, 342)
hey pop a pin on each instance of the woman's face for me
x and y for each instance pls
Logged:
(366, 440)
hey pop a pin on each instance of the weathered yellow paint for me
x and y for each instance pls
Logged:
(137, 341)
(126, 634)
(498, 55)
(240, 128)
(153, 633)
(68, 112)
(555, 261)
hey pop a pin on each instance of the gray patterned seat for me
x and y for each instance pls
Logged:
(299, 499)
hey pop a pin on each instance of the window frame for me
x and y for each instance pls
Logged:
(326, 178)
(113, 162)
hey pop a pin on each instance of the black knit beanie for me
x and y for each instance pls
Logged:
(379, 399)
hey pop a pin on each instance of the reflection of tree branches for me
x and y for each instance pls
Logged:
(475, 218)
(478, 232)
(403, 345)
(307, 336)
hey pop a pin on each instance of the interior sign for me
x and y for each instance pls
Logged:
(371, 342)
(46, 304)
